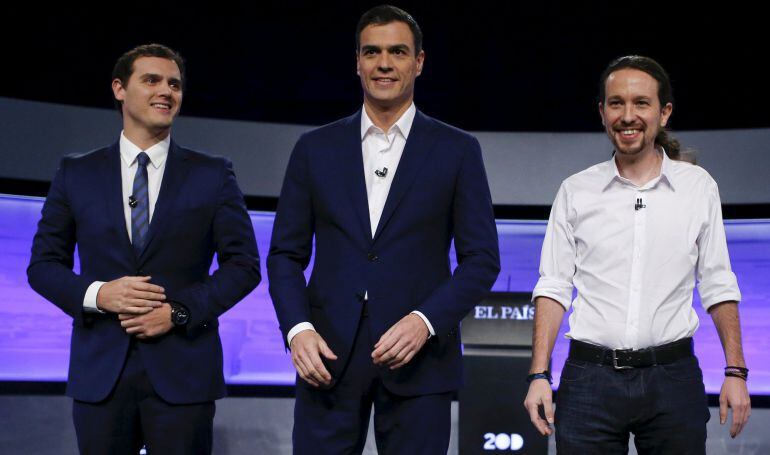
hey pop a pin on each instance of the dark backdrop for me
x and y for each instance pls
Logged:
(490, 66)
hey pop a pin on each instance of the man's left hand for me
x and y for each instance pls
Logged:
(401, 342)
(734, 395)
(153, 324)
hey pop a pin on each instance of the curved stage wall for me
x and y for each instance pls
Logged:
(523, 168)
(34, 336)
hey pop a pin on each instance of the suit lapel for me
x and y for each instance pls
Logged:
(173, 178)
(113, 192)
(417, 148)
(353, 172)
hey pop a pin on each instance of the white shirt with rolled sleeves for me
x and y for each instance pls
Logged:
(635, 268)
(380, 150)
(128, 153)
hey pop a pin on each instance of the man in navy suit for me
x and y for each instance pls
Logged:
(147, 217)
(384, 192)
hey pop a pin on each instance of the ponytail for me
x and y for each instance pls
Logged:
(672, 147)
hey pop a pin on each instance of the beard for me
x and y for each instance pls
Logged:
(646, 141)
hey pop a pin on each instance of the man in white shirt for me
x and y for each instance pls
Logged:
(383, 193)
(632, 235)
(147, 216)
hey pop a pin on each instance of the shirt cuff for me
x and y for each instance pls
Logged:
(555, 289)
(299, 328)
(89, 300)
(426, 321)
(720, 287)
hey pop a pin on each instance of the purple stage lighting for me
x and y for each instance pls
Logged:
(34, 336)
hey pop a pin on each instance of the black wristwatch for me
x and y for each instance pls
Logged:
(180, 315)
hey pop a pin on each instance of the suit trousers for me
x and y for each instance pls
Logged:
(664, 406)
(133, 415)
(336, 420)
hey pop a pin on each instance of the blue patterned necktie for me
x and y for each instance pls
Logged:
(140, 212)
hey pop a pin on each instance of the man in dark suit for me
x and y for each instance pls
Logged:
(147, 217)
(383, 192)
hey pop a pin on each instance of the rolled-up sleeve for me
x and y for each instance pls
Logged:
(716, 281)
(557, 258)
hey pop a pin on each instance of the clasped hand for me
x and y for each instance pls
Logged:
(139, 304)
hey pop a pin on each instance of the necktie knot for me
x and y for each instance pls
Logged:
(142, 159)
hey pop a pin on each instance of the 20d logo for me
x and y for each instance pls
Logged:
(503, 441)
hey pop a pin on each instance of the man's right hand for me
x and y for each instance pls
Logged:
(540, 393)
(307, 347)
(130, 295)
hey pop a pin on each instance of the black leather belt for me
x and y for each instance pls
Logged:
(623, 359)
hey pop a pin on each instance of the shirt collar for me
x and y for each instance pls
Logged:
(157, 152)
(612, 174)
(402, 125)
(666, 170)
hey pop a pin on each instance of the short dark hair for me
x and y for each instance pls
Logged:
(665, 93)
(124, 67)
(385, 14)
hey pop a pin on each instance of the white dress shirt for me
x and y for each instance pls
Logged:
(635, 269)
(382, 152)
(128, 153)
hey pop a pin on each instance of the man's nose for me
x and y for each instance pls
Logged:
(629, 115)
(384, 63)
(164, 88)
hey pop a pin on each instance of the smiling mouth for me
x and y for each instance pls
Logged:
(162, 106)
(628, 133)
(384, 80)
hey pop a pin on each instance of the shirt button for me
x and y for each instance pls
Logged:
(372, 257)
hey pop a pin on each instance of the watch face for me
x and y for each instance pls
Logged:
(179, 315)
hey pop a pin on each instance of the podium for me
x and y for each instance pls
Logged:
(497, 350)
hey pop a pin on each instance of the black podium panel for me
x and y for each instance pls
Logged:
(503, 319)
(497, 338)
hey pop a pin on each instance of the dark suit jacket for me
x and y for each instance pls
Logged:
(439, 192)
(200, 211)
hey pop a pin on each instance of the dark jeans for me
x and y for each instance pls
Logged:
(664, 406)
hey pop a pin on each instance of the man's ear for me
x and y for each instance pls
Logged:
(118, 91)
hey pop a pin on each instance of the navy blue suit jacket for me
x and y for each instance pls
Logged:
(199, 211)
(439, 192)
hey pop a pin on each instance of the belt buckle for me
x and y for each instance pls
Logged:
(615, 361)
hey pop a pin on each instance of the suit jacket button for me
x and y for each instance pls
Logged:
(140, 273)
(372, 257)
